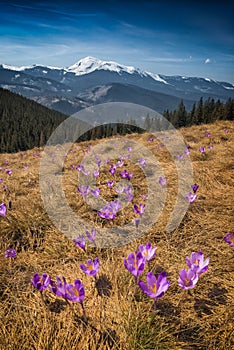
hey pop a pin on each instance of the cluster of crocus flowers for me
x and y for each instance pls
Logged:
(110, 210)
(135, 263)
(197, 265)
(70, 292)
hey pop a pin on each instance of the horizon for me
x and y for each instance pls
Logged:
(192, 40)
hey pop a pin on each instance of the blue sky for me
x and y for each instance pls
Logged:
(191, 38)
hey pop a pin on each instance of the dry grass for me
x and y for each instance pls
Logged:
(118, 318)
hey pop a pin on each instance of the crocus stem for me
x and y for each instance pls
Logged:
(155, 301)
(84, 313)
(181, 298)
(135, 287)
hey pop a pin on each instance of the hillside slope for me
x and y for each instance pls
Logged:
(117, 313)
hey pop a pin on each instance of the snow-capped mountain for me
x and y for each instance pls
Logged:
(73, 84)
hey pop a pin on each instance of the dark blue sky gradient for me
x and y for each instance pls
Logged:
(191, 38)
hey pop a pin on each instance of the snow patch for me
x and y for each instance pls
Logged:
(228, 87)
(157, 77)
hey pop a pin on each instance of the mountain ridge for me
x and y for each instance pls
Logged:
(46, 83)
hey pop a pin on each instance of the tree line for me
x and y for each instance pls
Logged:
(26, 124)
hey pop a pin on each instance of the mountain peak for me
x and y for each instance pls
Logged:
(90, 64)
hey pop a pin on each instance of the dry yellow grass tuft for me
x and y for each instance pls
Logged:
(118, 318)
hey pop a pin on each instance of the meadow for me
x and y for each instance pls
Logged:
(115, 313)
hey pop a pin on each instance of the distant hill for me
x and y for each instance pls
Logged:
(24, 123)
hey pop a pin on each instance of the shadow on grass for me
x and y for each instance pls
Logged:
(203, 306)
(217, 295)
(56, 306)
(104, 286)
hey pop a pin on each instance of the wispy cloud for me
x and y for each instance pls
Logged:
(168, 59)
(208, 60)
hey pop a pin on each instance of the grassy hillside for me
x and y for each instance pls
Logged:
(118, 314)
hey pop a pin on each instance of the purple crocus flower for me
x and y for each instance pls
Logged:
(8, 171)
(191, 197)
(139, 210)
(197, 263)
(80, 167)
(91, 235)
(95, 192)
(86, 172)
(147, 251)
(188, 279)
(195, 187)
(120, 163)
(208, 134)
(145, 196)
(60, 288)
(112, 169)
(162, 181)
(142, 162)
(1, 180)
(202, 149)
(84, 190)
(229, 238)
(10, 253)
(135, 263)
(76, 292)
(3, 210)
(126, 175)
(180, 156)
(80, 242)
(91, 268)
(187, 152)
(129, 149)
(155, 288)
(110, 183)
(210, 147)
(41, 282)
(129, 197)
(96, 173)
